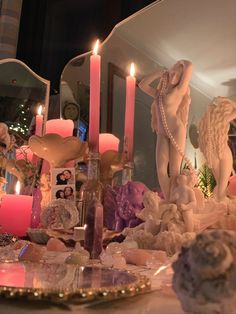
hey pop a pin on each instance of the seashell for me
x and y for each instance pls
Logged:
(56, 149)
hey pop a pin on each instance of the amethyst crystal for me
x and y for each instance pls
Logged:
(129, 202)
(94, 228)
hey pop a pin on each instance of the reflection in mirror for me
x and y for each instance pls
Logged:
(148, 40)
(42, 276)
(22, 92)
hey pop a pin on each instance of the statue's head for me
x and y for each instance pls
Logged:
(181, 179)
(175, 73)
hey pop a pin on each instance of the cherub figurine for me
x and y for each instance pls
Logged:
(45, 187)
(184, 197)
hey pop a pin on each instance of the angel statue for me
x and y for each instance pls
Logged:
(169, 119)
(213, 142)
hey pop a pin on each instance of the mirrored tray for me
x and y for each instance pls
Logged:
(62, 283)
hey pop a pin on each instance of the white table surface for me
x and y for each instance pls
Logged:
(150, 303)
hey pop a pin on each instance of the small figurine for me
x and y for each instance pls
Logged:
(184, 197)
(213, 142)
(45, 187)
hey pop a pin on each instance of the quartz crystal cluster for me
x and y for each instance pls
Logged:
(118, 254)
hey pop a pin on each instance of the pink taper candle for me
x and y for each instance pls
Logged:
(39, 122)
(94, 105)
(129, 114)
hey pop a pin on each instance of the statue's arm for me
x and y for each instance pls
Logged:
(144, 85)
(186, 77)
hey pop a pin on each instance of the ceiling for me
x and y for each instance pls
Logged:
(201, 31)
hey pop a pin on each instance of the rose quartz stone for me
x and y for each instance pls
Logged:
(31, 252)
(56, 245)
(142, 257)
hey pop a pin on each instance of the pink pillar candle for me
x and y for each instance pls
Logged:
(129, 114)
(94, 105)
(39, 122)
(107, 142)
(64, 128)
(15, 214)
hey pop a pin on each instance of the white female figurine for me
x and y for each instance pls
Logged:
(169, 119)
(213, 142)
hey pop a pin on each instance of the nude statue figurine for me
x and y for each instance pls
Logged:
(169, 119)
(184, 197)
(213, 142)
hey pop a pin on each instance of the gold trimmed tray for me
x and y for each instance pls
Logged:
(68, 283)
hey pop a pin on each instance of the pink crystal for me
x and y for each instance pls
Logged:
(143, 257)
(56, 245)
(31, 252)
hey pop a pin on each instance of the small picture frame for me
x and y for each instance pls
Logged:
(63, 176)
(63, 184)
(63, 192)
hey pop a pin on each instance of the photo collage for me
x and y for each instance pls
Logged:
(63, 184)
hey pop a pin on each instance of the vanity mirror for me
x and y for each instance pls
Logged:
(155, 37)
(22, 91)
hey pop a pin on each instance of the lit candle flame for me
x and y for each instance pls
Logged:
(85, 226)
(132, 69)
(40, 109)
(161, 269)
(95, 49)
(17, 188)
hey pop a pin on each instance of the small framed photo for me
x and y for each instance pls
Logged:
(63, 176)
(64, 192)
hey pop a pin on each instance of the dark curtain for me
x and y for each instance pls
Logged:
(54, 31)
